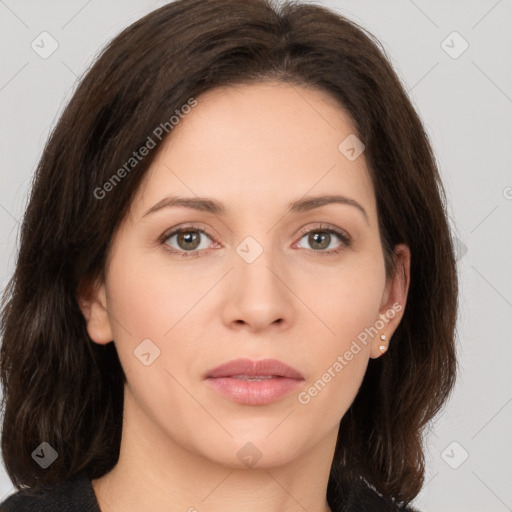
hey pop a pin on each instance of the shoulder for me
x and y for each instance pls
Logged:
(368, 499)
(363, 497)
(73, 495)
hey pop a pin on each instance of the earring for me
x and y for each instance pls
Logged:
(383, 348)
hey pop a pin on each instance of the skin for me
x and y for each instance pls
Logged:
(255, 148)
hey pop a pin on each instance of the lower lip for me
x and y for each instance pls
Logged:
(254, 392)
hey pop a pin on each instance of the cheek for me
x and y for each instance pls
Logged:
(339, 355)
(159, 303)
(347, 298)
(149, 300)
(148, 309)
(346, 303)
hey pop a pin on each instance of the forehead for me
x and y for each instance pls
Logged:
(265, 143)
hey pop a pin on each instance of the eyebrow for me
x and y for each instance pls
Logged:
(213, 206)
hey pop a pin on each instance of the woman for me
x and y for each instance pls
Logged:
(236, 286)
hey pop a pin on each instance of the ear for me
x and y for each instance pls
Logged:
(92, 300)
(393, 301)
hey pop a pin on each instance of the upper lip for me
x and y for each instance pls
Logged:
(251, 368)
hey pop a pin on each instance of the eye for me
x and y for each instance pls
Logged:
(186, 241)
(321, 238)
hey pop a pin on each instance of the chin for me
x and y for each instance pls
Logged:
(253, 451)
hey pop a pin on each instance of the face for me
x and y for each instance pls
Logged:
(267, 274)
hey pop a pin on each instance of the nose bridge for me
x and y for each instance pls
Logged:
(258, 295)
(254, 263)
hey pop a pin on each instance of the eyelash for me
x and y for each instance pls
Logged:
(323, 228)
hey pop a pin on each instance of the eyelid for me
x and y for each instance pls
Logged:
(344, 236)
(187, 226)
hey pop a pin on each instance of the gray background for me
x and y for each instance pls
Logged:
(465, 103)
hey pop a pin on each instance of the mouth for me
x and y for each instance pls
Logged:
(261, 369)
(255, 378)
(251, 382)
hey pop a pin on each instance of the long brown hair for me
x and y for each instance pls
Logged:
(62, 388)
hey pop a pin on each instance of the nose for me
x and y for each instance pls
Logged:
(258, 294)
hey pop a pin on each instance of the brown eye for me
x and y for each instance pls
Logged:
(319, 241)
(187, 240)
(323, 240)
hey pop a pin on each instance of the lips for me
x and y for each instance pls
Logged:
(254, 382)
(250, 370)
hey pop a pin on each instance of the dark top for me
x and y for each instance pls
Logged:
(77, 495)
(73, 495)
